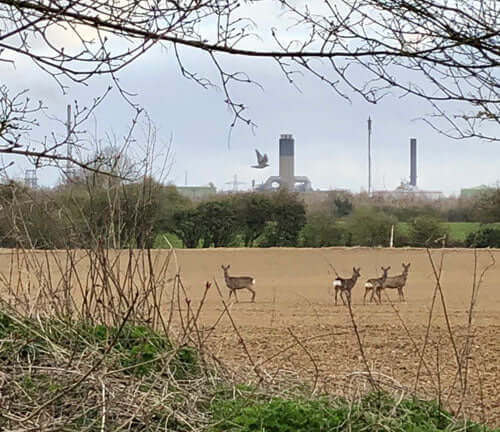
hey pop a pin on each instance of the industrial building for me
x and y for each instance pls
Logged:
(286, 178)
(409, 190)
(197, 193)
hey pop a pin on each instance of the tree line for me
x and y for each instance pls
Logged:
(96, 209)
(83, 213)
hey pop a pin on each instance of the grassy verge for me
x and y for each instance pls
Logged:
(73, 376)
(458, 231)
(373, 412)
(58, 375)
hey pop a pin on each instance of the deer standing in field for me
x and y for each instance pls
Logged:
(238, 282)
(395, 282)
(345, 286)
(373, 283)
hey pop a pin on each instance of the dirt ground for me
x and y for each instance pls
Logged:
(294, 329)
(294, 318)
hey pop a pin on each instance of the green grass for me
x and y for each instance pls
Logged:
(161, 243)
(375, 412)
(458, 231)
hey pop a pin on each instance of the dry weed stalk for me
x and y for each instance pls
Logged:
(85, 386)
(467, 347)
(258, 371)
(462, 356)
(311, 357)
(94, 285)
(373, 382)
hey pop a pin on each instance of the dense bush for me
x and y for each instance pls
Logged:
(321, 230)
(368, 226)
(83, 214)
(488, 206)
(425, 231)
(288, 219)
(188, 226)
(253, 211)
(219, 222)
(484, 237)
(266, 220)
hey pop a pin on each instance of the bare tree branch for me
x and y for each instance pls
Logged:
(445, 52)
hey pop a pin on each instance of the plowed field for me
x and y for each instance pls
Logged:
(294, 329)
(294, 318)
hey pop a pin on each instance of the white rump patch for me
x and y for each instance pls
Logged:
(337, 283)
(253, 281)
(368, 285)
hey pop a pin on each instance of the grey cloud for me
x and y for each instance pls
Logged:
(331, 134)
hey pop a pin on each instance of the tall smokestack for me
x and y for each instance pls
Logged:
(287, 174)
(413, 162)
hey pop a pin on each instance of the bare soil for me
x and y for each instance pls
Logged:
(294, 328)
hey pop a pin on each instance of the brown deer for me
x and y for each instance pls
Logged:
(345, 286)
(373, 283)
(238, 282)
(394, 282)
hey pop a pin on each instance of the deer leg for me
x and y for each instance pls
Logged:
(373, 297)
(366, 292)
(253, 294)
(379, 295)
(230, 294)
(401, 295)
(236, 296)
(336, 293)
(376, 294)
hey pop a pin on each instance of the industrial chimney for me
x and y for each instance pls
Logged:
(413, 162)
(287, 174)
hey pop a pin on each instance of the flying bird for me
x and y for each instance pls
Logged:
(261, 160)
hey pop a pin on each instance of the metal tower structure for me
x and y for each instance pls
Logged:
(30, 178)
(235, 183)
(369, 156)
(413, 162)
(70, 169)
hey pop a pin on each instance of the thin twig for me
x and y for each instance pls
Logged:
(313, 361)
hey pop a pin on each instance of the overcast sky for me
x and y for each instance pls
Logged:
(330, 133)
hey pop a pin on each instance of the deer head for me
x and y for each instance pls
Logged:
(385, 271)
(406, 267)
(225, 268)
(355, 272)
